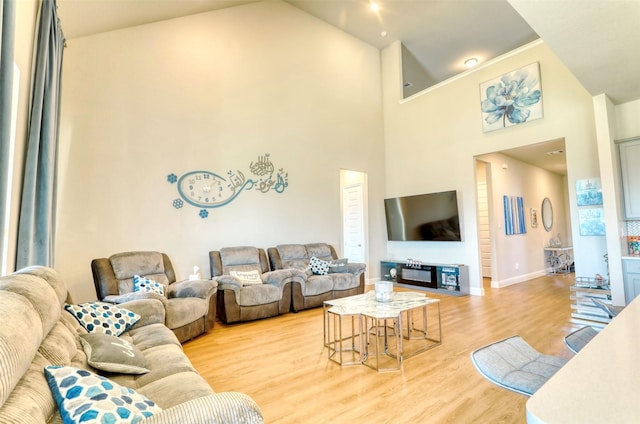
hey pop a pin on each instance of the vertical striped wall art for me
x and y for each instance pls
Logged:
(514, 222)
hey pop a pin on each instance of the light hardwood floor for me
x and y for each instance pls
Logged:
(282, 364)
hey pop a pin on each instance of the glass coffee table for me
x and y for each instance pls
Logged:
(361, 330)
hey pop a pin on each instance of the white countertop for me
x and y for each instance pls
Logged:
(601, 384)
(637, 258)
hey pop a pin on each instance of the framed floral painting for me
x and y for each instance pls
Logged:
(511, 99)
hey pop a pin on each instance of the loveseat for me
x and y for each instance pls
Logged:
(309, 289)
(37, 331)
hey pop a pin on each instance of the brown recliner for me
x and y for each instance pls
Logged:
(238, 302)
(190, 306)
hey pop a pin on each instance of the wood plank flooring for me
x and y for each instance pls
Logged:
(281, 362)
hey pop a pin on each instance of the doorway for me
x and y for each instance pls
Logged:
(532, 173)
(353, 185)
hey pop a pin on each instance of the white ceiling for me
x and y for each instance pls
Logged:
(550, 155)
(441, 34)
(596, 39)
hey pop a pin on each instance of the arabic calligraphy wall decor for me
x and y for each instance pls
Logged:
(205, 189)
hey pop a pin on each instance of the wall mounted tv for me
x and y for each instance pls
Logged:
(424, 217)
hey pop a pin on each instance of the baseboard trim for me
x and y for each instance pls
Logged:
(517, 279)
(476, 291)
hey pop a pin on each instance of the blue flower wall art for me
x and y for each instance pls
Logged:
(511, 99)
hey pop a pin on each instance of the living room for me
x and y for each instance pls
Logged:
(144, 96)
(222, 90)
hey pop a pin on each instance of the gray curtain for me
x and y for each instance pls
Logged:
(7, 30)
(36, 230)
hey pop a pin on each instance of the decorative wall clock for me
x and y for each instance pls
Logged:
(205, 189)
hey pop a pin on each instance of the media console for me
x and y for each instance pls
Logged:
(450, 279)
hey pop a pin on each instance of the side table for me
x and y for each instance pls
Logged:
(559, 259)
(360, 330)
(344, 342)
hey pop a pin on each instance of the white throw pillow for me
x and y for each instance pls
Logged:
(247, 278)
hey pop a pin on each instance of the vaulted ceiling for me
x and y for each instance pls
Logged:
(597, 40)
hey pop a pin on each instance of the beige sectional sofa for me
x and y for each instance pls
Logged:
(38, 332)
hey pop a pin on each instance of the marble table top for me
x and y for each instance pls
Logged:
(366, 304)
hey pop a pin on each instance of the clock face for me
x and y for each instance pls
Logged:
(202, 188)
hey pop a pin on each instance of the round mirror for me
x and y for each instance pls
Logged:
(547, 214)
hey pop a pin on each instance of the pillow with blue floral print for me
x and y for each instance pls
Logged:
(144, 284)
(102, 317)
(85, 397)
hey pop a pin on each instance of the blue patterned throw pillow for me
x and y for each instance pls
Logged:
(85, 397)
(318, 266)
(101, 317)
(144, 284)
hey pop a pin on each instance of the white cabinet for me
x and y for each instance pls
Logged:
(631, 274)
(630, 171)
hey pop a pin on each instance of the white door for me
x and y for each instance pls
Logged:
(483, 219)
(353, 223)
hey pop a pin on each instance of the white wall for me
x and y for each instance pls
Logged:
(627, 119)
(413, 72)
(609, 166)
(432, 138)
(26, 15)
(213, 92)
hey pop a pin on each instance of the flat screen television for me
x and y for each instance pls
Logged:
(423, 217)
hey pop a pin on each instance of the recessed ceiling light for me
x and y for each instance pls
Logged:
(471, 62)
(374, 7)
(383, 34)
(555, 152)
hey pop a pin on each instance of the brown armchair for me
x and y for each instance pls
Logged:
(238, 302)
(190, 306)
